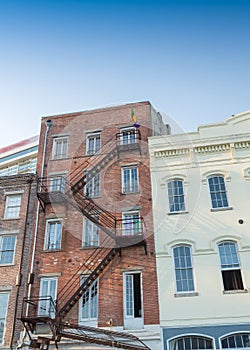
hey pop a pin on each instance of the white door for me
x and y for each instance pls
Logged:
(133, 311)
(48, 288)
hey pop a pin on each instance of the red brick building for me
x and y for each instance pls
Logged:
(93, 241)
(17, 204)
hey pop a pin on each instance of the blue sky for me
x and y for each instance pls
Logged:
(191, 59)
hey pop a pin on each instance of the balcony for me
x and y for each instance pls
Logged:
(128, 140)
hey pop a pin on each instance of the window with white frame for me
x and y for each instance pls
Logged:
(132, 295)
(7, 249)
(60, 148)
(218, 192)
(127, 136)
(57, 183)
(92, 187)
(230, 266)
(47, 296)
(183, 269)
(131, 223)
(89, 301)
(3, 310)
(130, 183)
(176, 195)
(236, 341)
(12, 207)
(53, 235)
(93, 143)
(191, 342)
(90, 234)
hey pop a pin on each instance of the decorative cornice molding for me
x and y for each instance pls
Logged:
(203, 149)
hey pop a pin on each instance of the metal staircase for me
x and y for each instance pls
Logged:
(43, 310)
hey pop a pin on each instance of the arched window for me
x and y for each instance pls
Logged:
(191, 342)
(236, 341)
(183, 269)
(218, 192)
(230, 266)
(176, 196)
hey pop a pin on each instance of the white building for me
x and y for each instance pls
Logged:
(19, 158)
(201, 194)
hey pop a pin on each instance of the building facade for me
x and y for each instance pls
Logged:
(201, 190)
(17, 204)
(94, 254)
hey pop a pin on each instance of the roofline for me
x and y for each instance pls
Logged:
(99, 110)
(19, 144)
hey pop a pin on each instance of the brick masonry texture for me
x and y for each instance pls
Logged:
(66, 261)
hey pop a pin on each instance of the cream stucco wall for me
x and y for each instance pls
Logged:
(219, 148)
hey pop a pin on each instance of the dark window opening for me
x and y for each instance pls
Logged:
(232, 280)
(137, 295)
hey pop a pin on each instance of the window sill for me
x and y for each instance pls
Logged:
(236, 291)
(221, 209)
(51, 250)
(64, 158)
(8, 219)
(187, 294)
(177, 212)
(89, 247)
(6, 265)
(131, 192)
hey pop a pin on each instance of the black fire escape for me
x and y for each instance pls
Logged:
(43, 310)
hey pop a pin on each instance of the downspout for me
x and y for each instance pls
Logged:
(19, 275)
(31, 274)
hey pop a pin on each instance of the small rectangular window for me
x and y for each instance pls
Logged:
(130, 183)
(12, 207)
(7, 249)
(90, 234)
(176, 196)
(92, 187)
(218, 192)
(183, 269)
(53, 235)
(60, 148)
(93, 143)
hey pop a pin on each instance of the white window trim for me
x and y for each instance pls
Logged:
(5, 234)
(48, 221)
(184, 183)
(93, 320)
(55, 140)
(6, 206)
(132, 272)
(123, 182)
(85, 220)
(124, 129)
(132, 212)
(186, 292)
(52, 278)
(5, 316)
(88, 135)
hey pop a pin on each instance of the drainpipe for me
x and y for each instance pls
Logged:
(31, 274)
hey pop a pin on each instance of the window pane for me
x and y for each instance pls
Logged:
(218, 192)
(3, 310)
(7, 246)
(183, 269)
(12, 209)
(176, 196)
